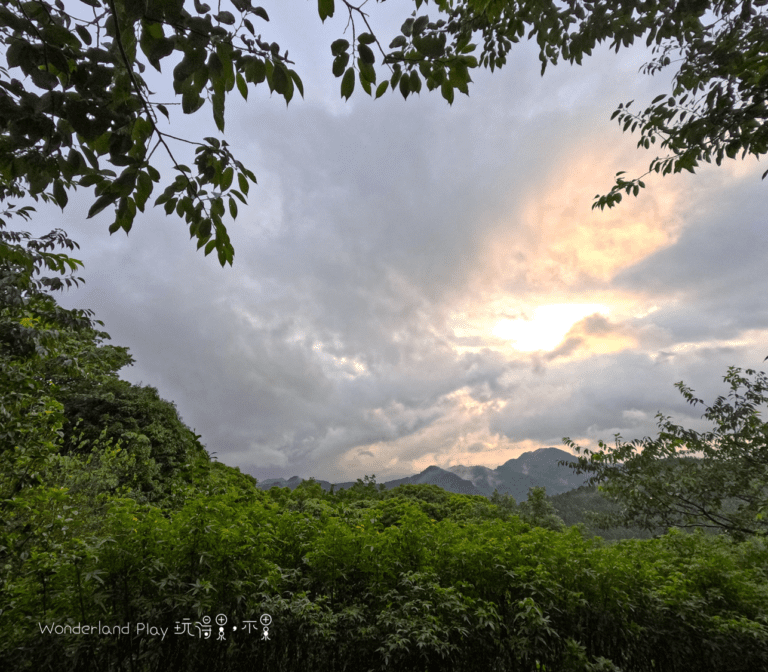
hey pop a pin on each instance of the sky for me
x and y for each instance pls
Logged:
(420, 284)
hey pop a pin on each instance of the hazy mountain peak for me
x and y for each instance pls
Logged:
(514, 477)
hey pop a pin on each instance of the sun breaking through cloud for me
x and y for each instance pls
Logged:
(549, 325)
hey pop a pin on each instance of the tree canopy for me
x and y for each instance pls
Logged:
(715, 479)
(719, 100)
(76, 111)
(39, 342)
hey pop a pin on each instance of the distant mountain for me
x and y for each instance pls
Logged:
(436, 476)
(531, 469)
(293, 482)
(514, 477)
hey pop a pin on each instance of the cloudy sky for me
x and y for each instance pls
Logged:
(419, 284)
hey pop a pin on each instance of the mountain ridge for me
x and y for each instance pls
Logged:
(537, 468)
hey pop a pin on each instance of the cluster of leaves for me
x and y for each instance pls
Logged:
(89, 103)
(421, 50)
(57, 379)
(716, 479)
(721, 88)
(717, 107)
(82, 110)
(36, 335)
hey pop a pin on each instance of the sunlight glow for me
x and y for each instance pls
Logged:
(548, 327)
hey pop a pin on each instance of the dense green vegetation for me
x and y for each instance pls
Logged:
(113, 514)
(588, 507)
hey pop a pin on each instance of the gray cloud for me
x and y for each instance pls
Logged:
(332, 346)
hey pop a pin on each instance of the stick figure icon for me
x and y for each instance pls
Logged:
(265, 634)
(221, 621)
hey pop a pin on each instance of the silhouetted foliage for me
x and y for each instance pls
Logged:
(714, 480)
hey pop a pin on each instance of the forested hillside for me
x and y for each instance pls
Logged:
(588, 507)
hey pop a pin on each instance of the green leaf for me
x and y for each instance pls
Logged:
(44, 79)
(415, 83)
(447, 90)
(279, 78)
(226, 178)
(255, 71)
(260, 11)
(399, 41)
(325, 8)
(233, 208)
(143, 190)
(338, 47)
(405, 86)
(76, 162)
(227, 18)
(242, 86)
(382, 89)
(60, 194)
(100, 204)
(89, 154)
(243, 182)
(339, 64)
(85, 36)
(297, 81)
(191, 102)
(163, 198)
(366, 54)
(217, 99)
(142, 129)
(348, 83)
(432, 46)
(419, 25)
(226, 253)
(367, 72)
(366, 38)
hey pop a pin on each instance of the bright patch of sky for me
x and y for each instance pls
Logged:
(546, 328)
